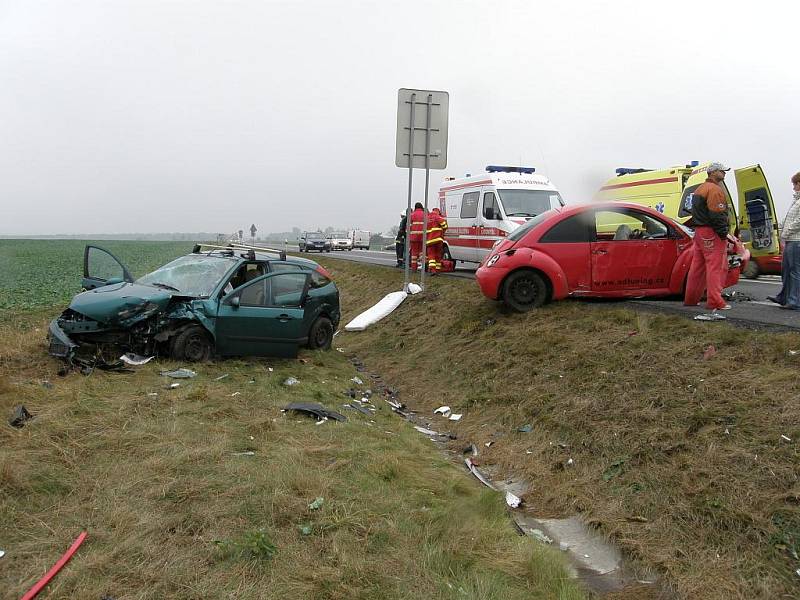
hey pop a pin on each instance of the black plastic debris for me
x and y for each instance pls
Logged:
(19, 416)
(315, 409)
(356, 406)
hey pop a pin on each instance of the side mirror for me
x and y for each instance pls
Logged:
(234, 302)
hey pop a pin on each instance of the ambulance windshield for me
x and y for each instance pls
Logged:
(528, 203)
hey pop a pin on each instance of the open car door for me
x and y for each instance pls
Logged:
(697, 177)
(100, 268)
(757, 211)
(265, 317)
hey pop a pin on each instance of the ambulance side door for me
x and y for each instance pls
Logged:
(757, 211)
(463, 244)
(490, 221)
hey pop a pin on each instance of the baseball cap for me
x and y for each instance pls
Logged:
(715, 166)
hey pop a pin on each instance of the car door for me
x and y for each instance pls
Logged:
(567, 243)
(100, 268)
(757, 211)
(632, 252)
(265, 317)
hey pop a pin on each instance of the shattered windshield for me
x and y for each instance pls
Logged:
(195, 275)
(528, 203)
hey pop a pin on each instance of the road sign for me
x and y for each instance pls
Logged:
(253, 230)
(429, 111)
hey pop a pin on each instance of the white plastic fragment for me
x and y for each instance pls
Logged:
(357, 381)
(172, 386)
(152, 394)
(563, 546)
(234, 394)
(372, 315)
(179, 374)
(539, 535)
(135, 360)
(221, 377)
(455, 417)
(570, 462)
(487, 444)
(785, 438)
(710, 317)
(2, 553)
(413, 288)
(792, 352)
(290, 381)
(512, 500)
(248, 453)
(442, 410)
(478, 474)
(321, 421)
(426, 431)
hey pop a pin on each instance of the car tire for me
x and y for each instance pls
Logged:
(751, 271)
(320, 336)
(446, 253)
(524, 290)
(192, 345)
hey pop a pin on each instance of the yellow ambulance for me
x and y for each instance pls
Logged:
(669, 191)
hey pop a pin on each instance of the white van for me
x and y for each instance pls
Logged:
(360, 238)
(483, 209)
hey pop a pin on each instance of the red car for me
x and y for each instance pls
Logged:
(607, 250)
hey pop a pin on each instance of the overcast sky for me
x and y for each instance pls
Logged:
(149, 116)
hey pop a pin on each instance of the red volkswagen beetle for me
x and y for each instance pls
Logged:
(610, 250)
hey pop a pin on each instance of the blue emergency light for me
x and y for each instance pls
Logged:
(499, 169)
(694, 163)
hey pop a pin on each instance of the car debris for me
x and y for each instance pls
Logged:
(135, 360)
(2, 553)
(709, 352)
(317, 503)
(426, 431)
(527, 428)
(474, 470)
(39, 585)
(442, 410)
(246, 453)
(786, 438)
(20, 416)
(710, 317)
(221, 377)
(455, 417)
(471, 449)
(172, 386)
(291, 381)
(540, 536)
(179, 374)
(355, 406)
(512, 500)
(315, 409)
(305, 529)
(357, 381)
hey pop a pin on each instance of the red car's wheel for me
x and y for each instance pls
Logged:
(524, 290)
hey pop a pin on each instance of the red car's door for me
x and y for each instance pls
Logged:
(567, 242)
(632, 253)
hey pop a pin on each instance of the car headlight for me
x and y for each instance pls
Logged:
(492, 260)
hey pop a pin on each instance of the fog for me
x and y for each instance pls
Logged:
(149, 116)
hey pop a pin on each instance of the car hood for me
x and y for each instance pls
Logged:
(121, 302)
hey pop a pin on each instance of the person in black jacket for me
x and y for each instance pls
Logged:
(400, 240)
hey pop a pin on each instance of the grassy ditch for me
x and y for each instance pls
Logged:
(210, 491)
(676, 449)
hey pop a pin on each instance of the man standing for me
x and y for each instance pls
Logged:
(415, 235)
(437, 225)
(789, 296)
(710, 223)
(400, 241)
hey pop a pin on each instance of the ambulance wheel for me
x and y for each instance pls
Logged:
(446, 254)
(751, 271)
(321, 334)
(524, 290)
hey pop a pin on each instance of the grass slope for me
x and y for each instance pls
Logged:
(678, 458)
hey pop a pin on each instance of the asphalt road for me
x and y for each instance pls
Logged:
(750, 307)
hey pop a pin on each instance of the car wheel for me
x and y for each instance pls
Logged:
(751, 271)
(321, 334)
(446, 254)
(524, 290)
(192, 345)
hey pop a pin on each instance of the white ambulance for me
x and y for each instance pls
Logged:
(485, 208)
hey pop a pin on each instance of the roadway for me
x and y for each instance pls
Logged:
(750, 307)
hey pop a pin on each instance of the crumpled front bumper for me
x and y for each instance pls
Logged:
(61, 346)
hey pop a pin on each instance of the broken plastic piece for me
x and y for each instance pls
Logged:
(710, 317)
(455, 417)
(172, 386)
(55, 569)
(512, 500)
(135, 360)
(785, 438)
(539, 535)
(426, 431)
(179, 374)
(317, 503)
(305, 529)
(290, 381)
(442, 410)
(527, 428)
(357, 381)
(478, 474)
(413, 288)
(2, 553)
(709, 352)
(315, 409)
(222, 377)
(234, 394)
(19, 416)
(247, 453)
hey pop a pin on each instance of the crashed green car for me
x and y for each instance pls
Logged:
(217, 301)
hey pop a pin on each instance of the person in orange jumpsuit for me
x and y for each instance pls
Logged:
(437, 225)
(415, 235)
(709, 247)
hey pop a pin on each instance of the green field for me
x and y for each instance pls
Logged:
(40, 273)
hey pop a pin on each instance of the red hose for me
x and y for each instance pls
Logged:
(55, 569)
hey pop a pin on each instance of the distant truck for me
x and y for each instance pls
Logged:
(360, 239)
(340, 240)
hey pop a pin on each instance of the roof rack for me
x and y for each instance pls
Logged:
(236, 246)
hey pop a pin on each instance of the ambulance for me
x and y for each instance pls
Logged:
(483, 209)
(670, 190)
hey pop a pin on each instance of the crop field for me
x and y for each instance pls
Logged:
(42, 273)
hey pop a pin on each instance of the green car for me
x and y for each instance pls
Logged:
(223, 301)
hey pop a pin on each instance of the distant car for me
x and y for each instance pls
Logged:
(612, 250)
(314, 241)
(340, 240)
(360, 239)
(223, 301)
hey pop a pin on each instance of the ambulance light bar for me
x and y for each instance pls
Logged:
(625, 171)
(694, 163)
(499, 169)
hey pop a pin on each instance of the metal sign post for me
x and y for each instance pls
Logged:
(409, 154)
